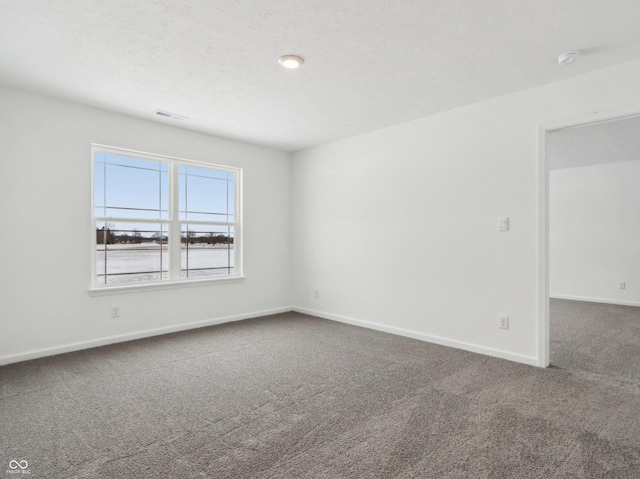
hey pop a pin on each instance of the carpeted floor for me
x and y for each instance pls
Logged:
(290, 396)
(596, 341)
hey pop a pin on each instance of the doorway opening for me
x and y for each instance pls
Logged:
(590, 246)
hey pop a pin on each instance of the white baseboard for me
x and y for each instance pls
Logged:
(595, 300)
(498, 353)
(40, 353)
(66, 348)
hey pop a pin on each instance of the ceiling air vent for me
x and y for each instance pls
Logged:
(173, 116)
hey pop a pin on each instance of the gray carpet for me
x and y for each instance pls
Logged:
(597, 341)
(290, 396)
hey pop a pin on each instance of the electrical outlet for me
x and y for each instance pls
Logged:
(504, 322)
(622, 285)
(115, 311)
(317, 294)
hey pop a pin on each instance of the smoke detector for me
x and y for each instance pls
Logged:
(569, 57)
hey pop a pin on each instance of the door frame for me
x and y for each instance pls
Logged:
(543, 211)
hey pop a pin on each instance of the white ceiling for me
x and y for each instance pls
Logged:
(596, 144)
(369, 63)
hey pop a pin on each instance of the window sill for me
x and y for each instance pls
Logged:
(140, 288)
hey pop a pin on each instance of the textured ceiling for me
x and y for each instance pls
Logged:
(597, 144)
(369, 63)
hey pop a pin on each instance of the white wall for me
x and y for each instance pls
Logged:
(45, 187)
(594, 232)
(397, 228)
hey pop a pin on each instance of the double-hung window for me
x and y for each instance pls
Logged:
(163, 220)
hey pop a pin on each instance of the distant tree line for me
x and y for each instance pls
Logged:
(107, 235)
(193, 237)
(110, 236)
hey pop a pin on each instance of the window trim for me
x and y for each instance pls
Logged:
(174, 222)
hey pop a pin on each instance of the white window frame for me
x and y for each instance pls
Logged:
(173, 221)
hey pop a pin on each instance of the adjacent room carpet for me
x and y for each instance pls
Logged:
(597, 341)
(291, 396)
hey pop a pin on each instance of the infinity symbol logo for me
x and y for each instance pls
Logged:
(13, 464)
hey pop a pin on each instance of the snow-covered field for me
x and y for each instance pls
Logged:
(135, 263)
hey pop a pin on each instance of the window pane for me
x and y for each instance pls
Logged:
(130, 187)
(98, 185)
(231, 197)
(130, 253)
(134, 208)
(204, 194)
(206, 251)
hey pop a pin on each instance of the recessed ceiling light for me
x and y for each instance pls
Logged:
(291, 61)
(568, 57)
